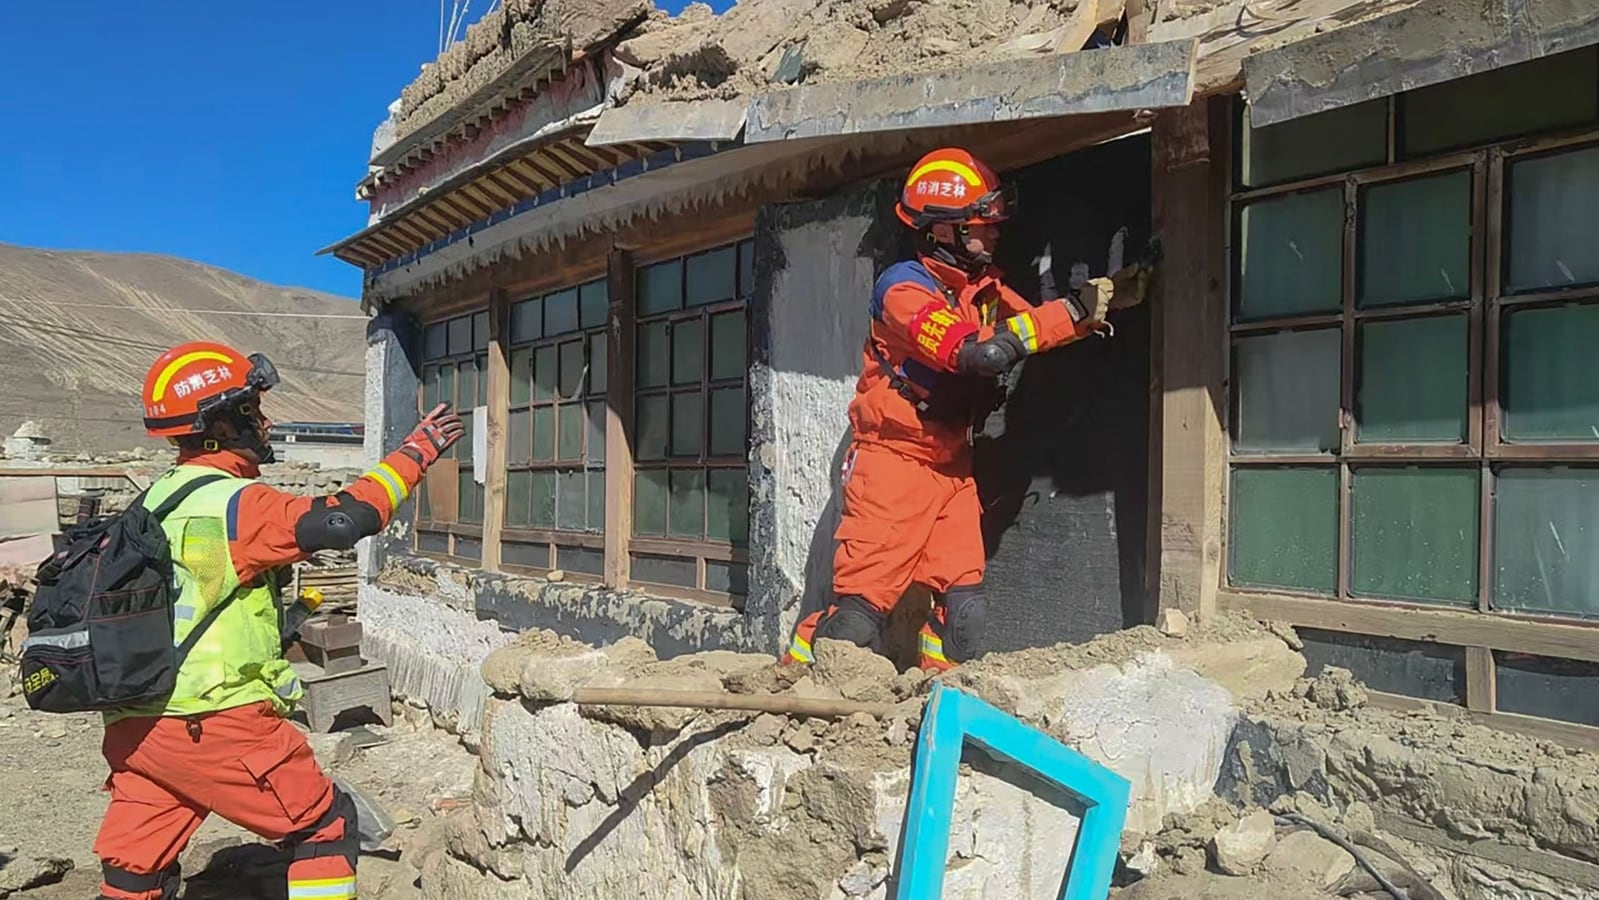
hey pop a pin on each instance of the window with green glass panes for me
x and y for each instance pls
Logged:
(1470, 464)
(690, 398)
(1290, 255)
(555, 420)
(455, 371)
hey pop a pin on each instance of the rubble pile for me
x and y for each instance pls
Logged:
(579, 800)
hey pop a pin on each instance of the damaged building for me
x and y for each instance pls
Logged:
(638, 248)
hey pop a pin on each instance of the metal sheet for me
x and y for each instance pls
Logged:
(1145, 76)
(1432, 42)
(701, 120)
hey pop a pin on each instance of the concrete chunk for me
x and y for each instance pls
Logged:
(1242, 846)
(1308, 855)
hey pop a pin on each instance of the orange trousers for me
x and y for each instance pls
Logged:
(247, 765)
(904, 522)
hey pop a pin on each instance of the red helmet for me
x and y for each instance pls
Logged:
(190, 383)
(954, 187)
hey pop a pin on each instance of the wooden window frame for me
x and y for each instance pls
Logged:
(1481, 630)
(553, 539)
(457, 532)
(701, 552)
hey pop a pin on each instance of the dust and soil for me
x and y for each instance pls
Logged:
(53, 801)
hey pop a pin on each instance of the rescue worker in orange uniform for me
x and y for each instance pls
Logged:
(944, 327)
(220, 743)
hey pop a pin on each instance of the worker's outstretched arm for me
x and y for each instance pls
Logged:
(268, 528)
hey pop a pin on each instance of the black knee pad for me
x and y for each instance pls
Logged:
(965, 621)
(349, 846)
(853, 619)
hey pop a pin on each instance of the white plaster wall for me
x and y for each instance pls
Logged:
(434, 652)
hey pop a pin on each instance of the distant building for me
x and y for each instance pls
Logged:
(331, 445)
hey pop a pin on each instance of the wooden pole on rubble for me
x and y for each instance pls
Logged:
(781, 704)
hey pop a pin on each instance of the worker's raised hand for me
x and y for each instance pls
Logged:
(438, 431)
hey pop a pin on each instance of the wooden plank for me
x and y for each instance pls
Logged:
(642, 120)
(1221, 54)
(1146, 76)
(1430, 43)
(499, 403)
(1191, 148)
(619, 422)
(1441, 626)
(1481, 685)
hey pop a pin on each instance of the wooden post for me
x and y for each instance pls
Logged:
(499, 400)
(1191, 173)
(619, 421)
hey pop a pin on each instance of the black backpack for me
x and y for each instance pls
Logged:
(100, 633)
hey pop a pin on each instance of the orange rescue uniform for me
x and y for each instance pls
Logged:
(246, 764)
(910, 510)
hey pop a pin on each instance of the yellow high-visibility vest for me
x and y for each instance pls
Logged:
(239, 659)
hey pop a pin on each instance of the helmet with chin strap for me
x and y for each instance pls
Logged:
(196, 384)
(952, 187)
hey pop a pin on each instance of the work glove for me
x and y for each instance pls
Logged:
(436, 434)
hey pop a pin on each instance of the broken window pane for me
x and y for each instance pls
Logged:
(430, 389)
(596, 496)
(654, 355)
(688, 352)
(544, 374)
(447, 385)
(596, 432)
(1413, 533)
(675, 571)
(460, 329)
(480, 331)
(543, 433)
(571, 377)
(527, 320)
(1415, 240)
(1292, 255)
(519, 431)
(1547, 93)
(727, 519)
(518, 499)
(1412, 381)
(1351, 137)
(543, 499)
(649, 502)
(711, 277)
(466, 511)
(521, 376)
(482, 380)
(599, 376)
(1546, 541)
(560, 312)
(727, 578)
(1551, 386)
(466, 386)
(1411, 668)
(688, 504)
(1562, 689)
(463, 447)
(688, 424)
(569, 428)
(594, 303)
(1288, 387)
(1553, 220)
(727, 345)
(660, 287)
(727, 422)
(746, 268)
(654, 427)
(434, 342)
(1284, 528)
(572, 506)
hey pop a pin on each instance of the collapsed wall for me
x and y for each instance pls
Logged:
(597, 801)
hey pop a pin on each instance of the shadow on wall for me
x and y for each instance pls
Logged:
(1063, 467)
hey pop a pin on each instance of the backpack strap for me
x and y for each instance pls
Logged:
(176, 498)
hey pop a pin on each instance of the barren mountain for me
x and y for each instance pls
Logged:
(78, 330)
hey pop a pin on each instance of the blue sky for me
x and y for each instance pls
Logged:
(229, 133)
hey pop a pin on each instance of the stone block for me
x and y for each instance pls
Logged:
(1242, 846)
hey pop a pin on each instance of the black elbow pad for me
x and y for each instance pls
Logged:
(990, 358)
(325, 527)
